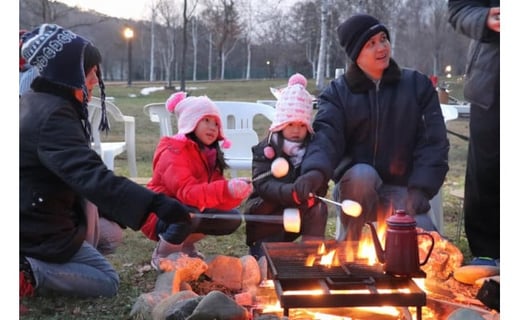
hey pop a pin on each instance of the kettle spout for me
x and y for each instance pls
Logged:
(377, 244)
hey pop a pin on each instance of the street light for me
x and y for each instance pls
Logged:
(129, 35)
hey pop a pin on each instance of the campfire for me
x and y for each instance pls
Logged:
(322, 280)
(319, 275)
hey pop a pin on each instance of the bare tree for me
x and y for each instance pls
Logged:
(223, 20)
(210, 54)
(166, 14)
(194, 42)
(320, 73)
(152, 42)
(185, 20)
(304, 28)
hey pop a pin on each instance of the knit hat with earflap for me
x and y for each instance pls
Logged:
(59, 54)
(355, 32)
(293, 105)
(190, 110)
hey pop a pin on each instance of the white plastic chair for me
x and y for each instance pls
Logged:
(240, 114)
(238, 120)
(157, 113)
(436, 212)
(239, 156)
(108, 150)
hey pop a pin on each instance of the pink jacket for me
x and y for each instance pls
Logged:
(181, 171)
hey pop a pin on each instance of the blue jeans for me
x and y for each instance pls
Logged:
(86, 274)
(362, 183)
(176, 233)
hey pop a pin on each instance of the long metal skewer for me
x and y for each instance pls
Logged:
(258, 217)
(262, 175)
(326, 200)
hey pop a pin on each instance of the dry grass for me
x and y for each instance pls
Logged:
(132, 258)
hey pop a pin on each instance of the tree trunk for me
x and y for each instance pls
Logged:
(320, 73)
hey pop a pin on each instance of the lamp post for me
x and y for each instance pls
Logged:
(129, 35)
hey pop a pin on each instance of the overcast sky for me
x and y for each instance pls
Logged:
(133, 9)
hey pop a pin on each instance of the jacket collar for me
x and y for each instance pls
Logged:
(358, 81)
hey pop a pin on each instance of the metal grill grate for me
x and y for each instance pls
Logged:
(342, 285)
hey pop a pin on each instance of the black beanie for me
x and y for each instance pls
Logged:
(355, 32)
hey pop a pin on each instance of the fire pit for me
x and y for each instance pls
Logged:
(301, 282)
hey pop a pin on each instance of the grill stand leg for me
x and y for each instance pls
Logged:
(419, 313)
(286, 313)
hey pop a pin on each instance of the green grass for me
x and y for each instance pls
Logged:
(132, 259)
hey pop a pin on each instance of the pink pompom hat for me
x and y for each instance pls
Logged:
(190, 110)
(293, 105)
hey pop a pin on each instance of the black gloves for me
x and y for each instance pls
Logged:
(308, 183)
(417, 202)
(169, 210)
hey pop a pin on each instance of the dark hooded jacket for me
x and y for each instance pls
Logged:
(58, 170)
(482, 83)
(396, 126)
(272, 195)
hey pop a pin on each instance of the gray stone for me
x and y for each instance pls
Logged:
(173, 303)
(250, 272)
(184, 309)
(226, 271)
(465, 314)
(143, 306)
(218, 306)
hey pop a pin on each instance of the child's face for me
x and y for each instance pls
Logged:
(207, 130)
(295, 131)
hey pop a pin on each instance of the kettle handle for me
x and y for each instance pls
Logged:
(431, 247)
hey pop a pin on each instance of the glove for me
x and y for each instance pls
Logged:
(169, 210)
(311, 201)
(239, 188)
(306, 184)
(417, 202)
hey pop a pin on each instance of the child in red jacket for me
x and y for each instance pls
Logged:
(189, 167)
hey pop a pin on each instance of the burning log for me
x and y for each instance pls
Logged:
(444, 259)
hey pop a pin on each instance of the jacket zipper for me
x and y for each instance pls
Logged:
(376, 128)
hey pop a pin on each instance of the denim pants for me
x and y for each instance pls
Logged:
(87, 274)
(362, 183)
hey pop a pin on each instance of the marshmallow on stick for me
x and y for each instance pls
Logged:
(349, 207)
(279, 168)
(291, 220)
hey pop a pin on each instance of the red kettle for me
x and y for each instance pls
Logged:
(401, 254)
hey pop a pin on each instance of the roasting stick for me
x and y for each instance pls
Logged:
(349, 207)
(258, 217)
(290, 219)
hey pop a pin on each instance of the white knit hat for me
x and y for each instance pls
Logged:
(190, 110)
(293, 105)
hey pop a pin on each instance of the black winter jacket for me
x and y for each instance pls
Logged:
(482, 84)
(58, 170)
(271, 195)
(396, 126)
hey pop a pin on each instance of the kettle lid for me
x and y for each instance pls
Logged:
(401, 219)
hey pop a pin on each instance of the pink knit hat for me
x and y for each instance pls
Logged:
(294, 104)
(190, 110)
